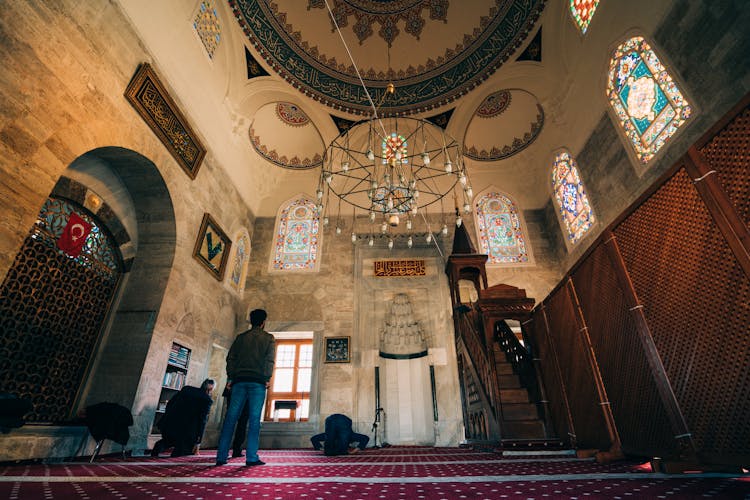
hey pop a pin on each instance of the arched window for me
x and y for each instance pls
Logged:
(645, 98)
(571, 198)
(499, 229)
(297, 236)
(583, 11)
(239, 261)
(53, 304)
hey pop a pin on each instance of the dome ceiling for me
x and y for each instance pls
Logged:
(284, 135)
(506, 122)
(433, 50)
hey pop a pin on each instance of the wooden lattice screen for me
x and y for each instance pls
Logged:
(695, 297)
(629, 381)
(565, 335)
(664, 296)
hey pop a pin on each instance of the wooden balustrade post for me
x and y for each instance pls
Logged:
(615, 450)
(558, 372)
(664, 387)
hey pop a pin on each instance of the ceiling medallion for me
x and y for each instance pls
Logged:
(387, 14)
(291, 114)
(494, 104)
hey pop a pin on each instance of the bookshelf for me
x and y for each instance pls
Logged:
(174, 379)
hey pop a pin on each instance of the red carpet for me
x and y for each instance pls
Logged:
(388, 473)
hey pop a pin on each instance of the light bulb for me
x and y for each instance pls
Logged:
(459, 221)
(390, 244)
(401, 179)
(415, 193)
(398, 155)
(372, 216)
(345, 166)
(354, 237)
(370, 155)
(412, 184)
(448, 166)
(371, 241)
(409, 242)
(325, 220)
(428, 239)
(390, 203)
(384, 227)
(445, 230)
(338, 230)
(425, 158)
(414, 209)
(319, 206)
(408, 224)
(319, 193)
(469, 192)
(373, 184)
(462, 179)
(370, 193)
(467, 208)
(329, 178)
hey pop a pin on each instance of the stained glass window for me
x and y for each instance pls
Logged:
(97, 252)
(297, 233)
(648, 104)
(499, 227)
(239, 262)
(395, 146)
(206, 24)
(583, 11)
(570, 194)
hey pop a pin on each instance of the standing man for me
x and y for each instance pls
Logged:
(249, 368)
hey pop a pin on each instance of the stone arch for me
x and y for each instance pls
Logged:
(138, 193)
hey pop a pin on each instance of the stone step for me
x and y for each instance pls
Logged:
(504, 368)
(508, 382)
(519, 411)
(514, 395)
(523, 430)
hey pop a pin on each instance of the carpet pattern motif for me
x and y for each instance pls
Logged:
(388, 473)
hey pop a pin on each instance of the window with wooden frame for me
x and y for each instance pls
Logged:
(288, 397)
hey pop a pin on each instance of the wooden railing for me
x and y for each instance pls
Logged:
(469, 332)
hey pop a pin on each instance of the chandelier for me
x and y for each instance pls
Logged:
(392, 169)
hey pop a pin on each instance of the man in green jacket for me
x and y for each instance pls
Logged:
(249, 368)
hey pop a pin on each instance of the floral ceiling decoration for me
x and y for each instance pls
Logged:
(386, 14)
(453, 55)
(283, 134)
(516, 119)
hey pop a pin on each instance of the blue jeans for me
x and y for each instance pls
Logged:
(253, 395)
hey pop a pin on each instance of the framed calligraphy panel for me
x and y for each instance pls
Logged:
(212, 247)
(337, 350)
(151, 100)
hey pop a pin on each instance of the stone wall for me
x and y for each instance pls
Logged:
(704, 45)
(66, 66)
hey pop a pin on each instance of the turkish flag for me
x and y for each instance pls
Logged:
(74, 235)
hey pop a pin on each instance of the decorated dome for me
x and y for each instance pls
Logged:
(434, 51)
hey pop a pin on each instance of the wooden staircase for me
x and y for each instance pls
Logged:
(519, 417)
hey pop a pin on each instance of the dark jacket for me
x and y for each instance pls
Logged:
(252, 356)
(186, 415)
(338, 434)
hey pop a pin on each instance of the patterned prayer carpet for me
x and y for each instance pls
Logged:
(383, 474)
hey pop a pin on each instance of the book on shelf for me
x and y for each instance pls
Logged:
(174, 380)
